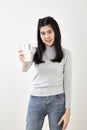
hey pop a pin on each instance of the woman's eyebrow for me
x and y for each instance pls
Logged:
(45, 31)
(42, 32)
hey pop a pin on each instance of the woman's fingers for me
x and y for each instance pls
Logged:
(21, 55)
(60, 121)
(64, 126)
(65, 120)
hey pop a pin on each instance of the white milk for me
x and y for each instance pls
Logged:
(27, 56)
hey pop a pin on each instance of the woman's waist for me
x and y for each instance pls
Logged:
(47, 90)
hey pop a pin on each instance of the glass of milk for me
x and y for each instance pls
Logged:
(26, 48)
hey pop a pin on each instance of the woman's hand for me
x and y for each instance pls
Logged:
(65, 119)
(21, 56)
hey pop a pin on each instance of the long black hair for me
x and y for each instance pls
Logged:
(41, 46)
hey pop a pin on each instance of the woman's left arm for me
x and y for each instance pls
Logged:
(67, 81)
(67, 88)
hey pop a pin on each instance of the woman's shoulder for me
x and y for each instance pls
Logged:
(66, 51)
(67, 54)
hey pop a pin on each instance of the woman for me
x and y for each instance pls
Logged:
(51, 91)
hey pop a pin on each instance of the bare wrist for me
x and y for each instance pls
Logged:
(25, 64)
(68, 110)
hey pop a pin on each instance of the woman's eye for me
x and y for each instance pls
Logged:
(50, 32)
(42, 33)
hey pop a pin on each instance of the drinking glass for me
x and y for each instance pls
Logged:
(26, 48)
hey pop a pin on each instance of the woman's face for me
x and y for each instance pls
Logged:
(47, 35)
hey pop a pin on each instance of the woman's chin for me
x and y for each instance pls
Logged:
(49, 44)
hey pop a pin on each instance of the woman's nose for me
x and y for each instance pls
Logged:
(46, 35)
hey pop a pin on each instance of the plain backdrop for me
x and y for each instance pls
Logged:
(18, 25)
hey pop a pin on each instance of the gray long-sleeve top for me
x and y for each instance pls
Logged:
(51, 78)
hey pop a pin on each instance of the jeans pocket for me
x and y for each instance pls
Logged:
(60, 97)
(35, 101)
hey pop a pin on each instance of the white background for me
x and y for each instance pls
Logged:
(18, 23)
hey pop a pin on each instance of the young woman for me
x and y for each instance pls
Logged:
(51, 91)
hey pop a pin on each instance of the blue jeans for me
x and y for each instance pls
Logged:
(39, 107)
